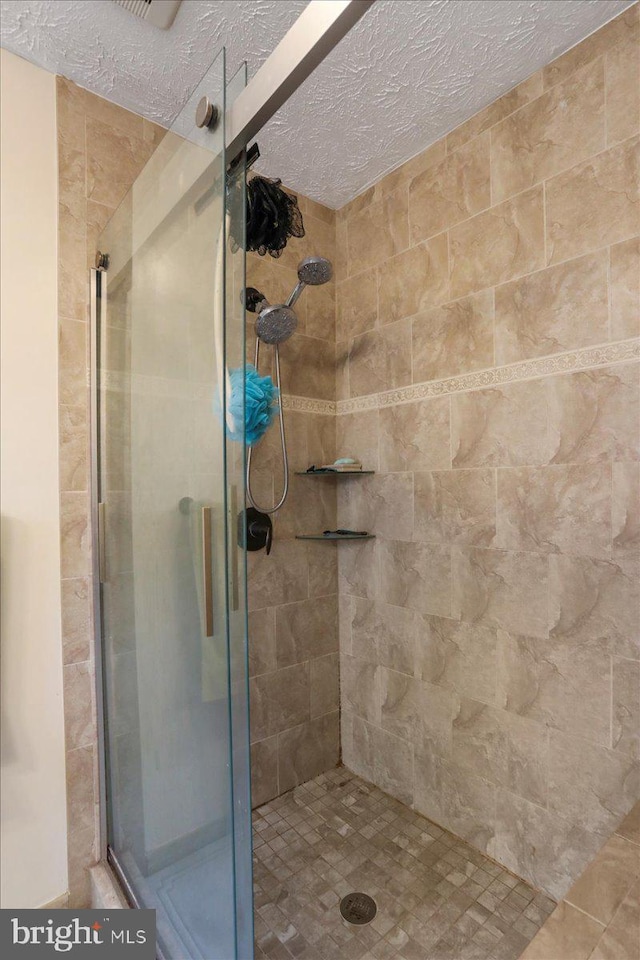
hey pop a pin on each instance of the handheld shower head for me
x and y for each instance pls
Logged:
(276, 323)
(312, 272)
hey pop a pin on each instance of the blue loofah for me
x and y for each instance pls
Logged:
(260, 406)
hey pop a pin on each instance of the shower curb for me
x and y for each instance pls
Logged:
(106, 893)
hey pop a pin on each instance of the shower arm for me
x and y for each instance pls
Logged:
(295, 295)
(283, 442)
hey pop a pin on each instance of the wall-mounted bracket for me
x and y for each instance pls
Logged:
(207, 114)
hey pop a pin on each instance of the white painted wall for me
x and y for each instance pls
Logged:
(33, 795)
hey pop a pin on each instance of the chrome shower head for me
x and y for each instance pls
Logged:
(276, 323)
(314, 271)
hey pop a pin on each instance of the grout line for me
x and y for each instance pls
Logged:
(85, 322)
(464, 547)
(495, 495)
(516, 196)
(86, 160)
(584, 912)
(605, 110)
(532, 273)
(545, 245)
(450, 467)
(413, 502)
(611, 744)
(621, 836)
(494, 329)
(609, 291)
(491, 167)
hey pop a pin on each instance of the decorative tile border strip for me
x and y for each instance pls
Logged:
(585, 359)
(144, 385)
(308, 405)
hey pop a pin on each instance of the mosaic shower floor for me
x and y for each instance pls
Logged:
(437, 897)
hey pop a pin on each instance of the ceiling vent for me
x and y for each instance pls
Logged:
(161, 13)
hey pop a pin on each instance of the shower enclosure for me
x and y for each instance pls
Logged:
(168, 499)
(168, 485)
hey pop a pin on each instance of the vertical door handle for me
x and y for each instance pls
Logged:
(207, 571)
(233, 510)
(102, 554)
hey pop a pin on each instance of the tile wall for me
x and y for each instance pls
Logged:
(489, 636)
(101, 149)
(293, 593)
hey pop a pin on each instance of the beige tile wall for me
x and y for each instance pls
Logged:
(101, 149)
(489, 636)
(293, 593)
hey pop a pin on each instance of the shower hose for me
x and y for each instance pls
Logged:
(227, 384)
(283, 441)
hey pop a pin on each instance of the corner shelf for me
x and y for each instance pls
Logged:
(333, 473)
(335, 537)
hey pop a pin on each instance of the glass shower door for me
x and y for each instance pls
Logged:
(169, 328)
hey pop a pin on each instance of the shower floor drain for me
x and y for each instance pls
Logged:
(358, 908)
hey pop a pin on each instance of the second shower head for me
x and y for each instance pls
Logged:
(312, 272)
(315, 271)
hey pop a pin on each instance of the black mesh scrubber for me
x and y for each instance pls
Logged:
(272, 217)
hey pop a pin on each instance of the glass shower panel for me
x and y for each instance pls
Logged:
(172, 578)
(235, 353)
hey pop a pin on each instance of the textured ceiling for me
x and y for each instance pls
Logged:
(409, 71)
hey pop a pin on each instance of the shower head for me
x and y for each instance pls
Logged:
(312, 272)
(276, 323)
(315, 271)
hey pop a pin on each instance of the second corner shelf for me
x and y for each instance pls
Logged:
(334, 537)
(333, 473)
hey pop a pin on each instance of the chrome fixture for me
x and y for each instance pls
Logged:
(275, 323)
(207, 114)
(312, 272)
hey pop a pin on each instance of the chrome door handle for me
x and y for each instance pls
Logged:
(207, 571)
